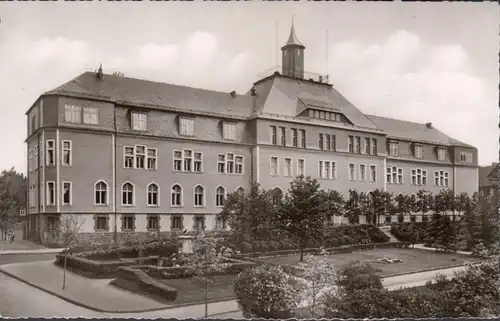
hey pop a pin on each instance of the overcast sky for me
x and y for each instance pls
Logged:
(423, 62)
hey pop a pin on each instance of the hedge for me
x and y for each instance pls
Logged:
(136, 280)
(405, 231)
(90, 268)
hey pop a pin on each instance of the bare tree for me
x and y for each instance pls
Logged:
(69, 227)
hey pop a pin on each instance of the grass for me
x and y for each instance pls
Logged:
(413, 259)
(192, 290)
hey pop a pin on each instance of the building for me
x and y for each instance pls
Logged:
(136, 155)
(487, 175)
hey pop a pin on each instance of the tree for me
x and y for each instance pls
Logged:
(208, 259)
(460, 202)
(301, 215)
(12, 197)
(332, 203)
(379, 198)
(352, 206)
(69, 227)
(266, 291)
(423, 201)
(403, 206)
(319, 274)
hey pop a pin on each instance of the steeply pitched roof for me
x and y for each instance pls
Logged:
(484, 173)
(412, 131)
(280, 95)
(292, 39)
(144, 92)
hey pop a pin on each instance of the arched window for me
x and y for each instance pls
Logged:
(220, 194)
(277, 195)
(199, 196)
(127, 194)
(153, 194)
(176, 195)
(241, 191)
(101, 193)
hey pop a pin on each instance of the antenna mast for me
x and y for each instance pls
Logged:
(277, 50)
(326, 56)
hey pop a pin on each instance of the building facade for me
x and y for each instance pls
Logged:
(129, 155)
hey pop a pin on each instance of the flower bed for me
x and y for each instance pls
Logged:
(90, 268)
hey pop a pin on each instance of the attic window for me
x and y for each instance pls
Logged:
(186, 126)
(418, 150)
(139, 121)
(441, 153)
(229, 131)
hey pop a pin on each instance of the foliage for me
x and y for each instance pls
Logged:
(69, 227)
(266, 292)
(12, 197)
(318, 273)
(332, 203)
(408, 232)
(300, 214)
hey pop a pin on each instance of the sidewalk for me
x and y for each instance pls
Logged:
(387, 231)
(422, 247)
(19, 245)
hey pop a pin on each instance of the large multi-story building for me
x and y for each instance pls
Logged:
(135, 155)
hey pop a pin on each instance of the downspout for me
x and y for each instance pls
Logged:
(115, 232)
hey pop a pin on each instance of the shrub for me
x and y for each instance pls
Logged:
(273, 245)
(406, 232)
(245, 247)
(266, 292)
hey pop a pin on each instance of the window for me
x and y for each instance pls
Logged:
(301, 167)
(394, 175)
(418, 177)
(327, 170)
(326, 173)
(139, 121)
(35, 157)
(176, 223)
(101, 193)
(446, 179)
(90, 115)
(220, 194)
(153, 222)
(153, 191)
(274, 166)
(66, 193)
(230, 163)
(374, 146)
(334, 143)
(177, 160)
(66, 151)
(128, 222)
(357, 144)
(294, 137)
(220, 222)
(51, 193)
(199, 196)
(334, 170)
(441, 154)
(241, 191)
(276, 196)
(441, 178)
(418, 151)
(350, 142)
(221, 163)
(33, 124)
(362, 172)
(176, 195)
(302, 138)
(101, 222)
(288, 167)
(199, 223)
(239, 165)
(373, 173)
(188, 160)
(321, 141)
(367, 146)
(352, 172)
(466, 157)
(229, 131)
(151, 159)
(393, 149)
(140, 156)
(274, 139)
(30, 160)
(127, 194)
(198, 162)
(282, 136)
(128, 160)
(50, 153)
(72, 114)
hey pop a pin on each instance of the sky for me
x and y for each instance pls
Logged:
(422, 62)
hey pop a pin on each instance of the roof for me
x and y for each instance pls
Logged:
(144, 92)
(484, 173)
(402, 129)
(293, 40)
(285, 96)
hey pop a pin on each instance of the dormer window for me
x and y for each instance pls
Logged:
(139, 121)
(393, 149)
(418, 150)
(441, 154)
(186, 126)
(229, 131)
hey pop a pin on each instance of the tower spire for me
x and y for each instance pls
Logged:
(292, 40)
(293, 55)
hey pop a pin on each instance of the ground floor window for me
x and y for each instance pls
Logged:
(199, 223)
(153, 223)
(128, 223)
(425, 219)
(101, 222)
(52, 223)
(413, 218)
(176, 222)
(401, 219)
(387, 219)
(220, 222)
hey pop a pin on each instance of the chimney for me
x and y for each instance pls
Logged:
(252, 92)
(428, 125)
(320, 78)
(233, 93)
(99, 73)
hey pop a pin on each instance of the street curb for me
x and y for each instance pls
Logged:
(216, 314)
(30, 252)
(430, 269)
(88, 307)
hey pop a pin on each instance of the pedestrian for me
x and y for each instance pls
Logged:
(9, 236)
(13, 236)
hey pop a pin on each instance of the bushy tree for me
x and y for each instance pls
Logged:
(12, 197)
(332, 203)
(209, 258)
(423, 201)
(319, 274)
(266, 291)
(403, 205)
(379, 205)
(301, 214)
(352, 206)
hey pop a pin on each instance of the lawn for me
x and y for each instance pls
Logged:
(413, 259)
(192, 290)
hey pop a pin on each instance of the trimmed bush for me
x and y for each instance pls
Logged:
(90, 268)
(405, 232)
